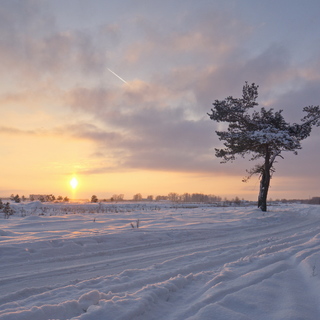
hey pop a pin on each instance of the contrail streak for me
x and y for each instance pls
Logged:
(118, 76)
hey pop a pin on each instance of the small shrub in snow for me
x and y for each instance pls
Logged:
(137, 224)
(314, 271)
(7, 210)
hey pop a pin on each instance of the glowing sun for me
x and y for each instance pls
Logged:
(74, 183)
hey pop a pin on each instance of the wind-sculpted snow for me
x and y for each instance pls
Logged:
(184, 262)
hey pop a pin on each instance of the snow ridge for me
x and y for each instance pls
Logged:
(193, 263)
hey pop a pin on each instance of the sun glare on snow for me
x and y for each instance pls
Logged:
(74, 182)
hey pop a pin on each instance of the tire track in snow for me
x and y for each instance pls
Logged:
(262, 266)
(190, 274)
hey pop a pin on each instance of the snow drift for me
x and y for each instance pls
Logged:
(195, 262)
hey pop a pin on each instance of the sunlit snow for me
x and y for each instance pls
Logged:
(185, 261)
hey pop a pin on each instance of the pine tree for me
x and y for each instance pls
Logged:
(262, 134)
(94, 199)
(16, 198)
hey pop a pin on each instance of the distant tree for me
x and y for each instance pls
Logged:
(159, 198)
(117, 197)
(173, 196)
(237, 200)
(12, 197)
(199, 197)
(186, 197)
(42, 198)
(213, 198)
(263, 134)
(7, 210)
(23, 198)
(1, 204)
(94, 198)
(31, 198)
(50, 198)
(150, 198)
(16, 198)
(66, 199)
(59, 198)
(137, 197)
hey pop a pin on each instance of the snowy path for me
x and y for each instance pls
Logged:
(182, 263)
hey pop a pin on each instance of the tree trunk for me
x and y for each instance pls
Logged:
(264, 182)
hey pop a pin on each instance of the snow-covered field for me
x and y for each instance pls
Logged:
(85, 261)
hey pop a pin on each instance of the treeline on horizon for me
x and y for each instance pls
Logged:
(172, 196)
(42, 198)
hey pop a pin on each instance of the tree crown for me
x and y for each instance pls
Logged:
(258, 132)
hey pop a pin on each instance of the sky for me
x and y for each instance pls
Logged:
(116, 94)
